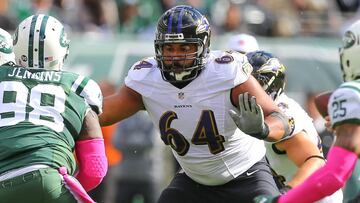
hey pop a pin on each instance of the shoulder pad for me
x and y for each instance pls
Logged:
(142, 68)
(90, 91)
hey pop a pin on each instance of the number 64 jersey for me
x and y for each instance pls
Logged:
(41, 115)
(343, 105)
(194, 120)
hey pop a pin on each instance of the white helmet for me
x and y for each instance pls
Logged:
(350, 52)
(243, 43)
(40, 41)
(6, 48)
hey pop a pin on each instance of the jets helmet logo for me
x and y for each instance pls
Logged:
(64, 42)
(349, 39)
(4, 46)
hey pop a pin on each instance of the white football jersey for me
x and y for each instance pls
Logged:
(279, 161)
(194, 120)
(343, 106)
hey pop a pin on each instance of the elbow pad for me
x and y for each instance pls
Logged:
(288, 123)
(93, 164)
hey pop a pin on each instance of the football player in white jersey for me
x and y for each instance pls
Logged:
(344, 114)
(188, 90)
(300, 155)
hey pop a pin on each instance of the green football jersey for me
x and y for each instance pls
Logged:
(41, 115)
(343, 105)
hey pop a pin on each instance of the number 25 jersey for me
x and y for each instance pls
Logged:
(41, 115)
(343, 106)
(194, 120)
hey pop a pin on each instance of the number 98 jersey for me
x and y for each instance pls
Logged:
(343, 106)
(41, 115)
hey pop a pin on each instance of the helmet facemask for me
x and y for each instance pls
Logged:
(180, 68)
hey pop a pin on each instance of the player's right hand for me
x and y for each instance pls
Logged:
(250, 118)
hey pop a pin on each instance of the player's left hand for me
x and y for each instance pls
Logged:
(250, 118)
(266, 199)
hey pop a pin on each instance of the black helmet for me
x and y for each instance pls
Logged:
(268, 71)
(184, 25)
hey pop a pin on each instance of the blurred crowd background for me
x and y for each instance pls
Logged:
(286, 18)
(108, 36)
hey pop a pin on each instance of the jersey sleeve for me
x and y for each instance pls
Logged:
(138, 75)
(343, 106)
(230, 68)
(242, 67)
(90, 91)
(293, 112)
(297, 115)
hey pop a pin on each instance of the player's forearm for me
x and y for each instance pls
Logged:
(305, 170)
(325, 180)
(279, 127)
(116, 108)
(121, 105)
(110, 113)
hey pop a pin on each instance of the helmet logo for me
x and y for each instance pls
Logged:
(23, 58)
(203, 27)
(64, 42)
(4, 46)
(349, 39)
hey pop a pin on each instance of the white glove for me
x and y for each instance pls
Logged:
(250, 118)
